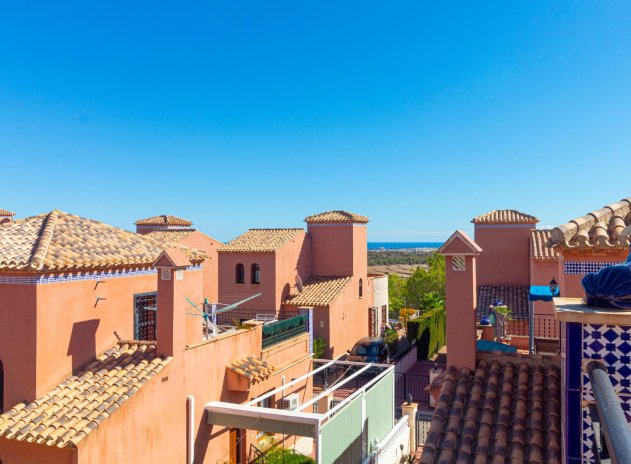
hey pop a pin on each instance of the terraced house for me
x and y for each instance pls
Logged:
(558, 402)
(321, 271)
(103, 341)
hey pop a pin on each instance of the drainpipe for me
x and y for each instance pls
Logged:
(531, 326)
(612, 419)
(190, 406)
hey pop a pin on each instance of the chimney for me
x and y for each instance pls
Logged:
(6, 216)
(177, 282)
(460, 253)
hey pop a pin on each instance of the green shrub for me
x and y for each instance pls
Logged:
(319, 346)
(391, 337)
(284, 456)
(429, 330)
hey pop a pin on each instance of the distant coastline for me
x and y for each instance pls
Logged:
(410, 246)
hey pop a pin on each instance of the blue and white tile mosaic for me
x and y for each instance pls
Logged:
(581, 267)
(612, 345)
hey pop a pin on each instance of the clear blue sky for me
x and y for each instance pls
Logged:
(417, 114)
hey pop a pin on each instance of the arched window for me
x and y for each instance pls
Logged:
(256, 274)
(1, 388)
(361, 288)
(240, 274)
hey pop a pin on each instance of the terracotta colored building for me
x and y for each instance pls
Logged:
(323, 269)
(97, 347)
(516, 255)
(545, 408)
(171, 230)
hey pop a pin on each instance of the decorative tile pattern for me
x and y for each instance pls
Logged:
(53, 279)
(612, 345)
(584, 267)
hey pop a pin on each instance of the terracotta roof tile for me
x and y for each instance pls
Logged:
(337, 216)
(261, 240)
(319, 291)
(6, 213)
(498, 413)
(515, 297)
(599, 229)
(75, 407)
(541, 243)
(253, 368)
(169, 236)
(505, 216)
(163, 220)
(60, 241)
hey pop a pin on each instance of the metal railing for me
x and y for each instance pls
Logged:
(280, 331)
(613, 422)
(411, 384)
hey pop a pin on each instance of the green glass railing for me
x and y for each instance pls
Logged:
(280, 331)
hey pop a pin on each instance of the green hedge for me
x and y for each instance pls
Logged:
(429, 332)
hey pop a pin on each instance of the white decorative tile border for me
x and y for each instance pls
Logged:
(53, 279)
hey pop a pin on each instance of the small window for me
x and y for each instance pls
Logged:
(145, 312)
(361, 288)
(240, 274)
(458, 263)
(256, 274)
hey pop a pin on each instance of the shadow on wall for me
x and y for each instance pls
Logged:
(82, 346)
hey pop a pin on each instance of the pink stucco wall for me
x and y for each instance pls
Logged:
(151, 426)
(230, 291)
(49, 330)
(505, 259)
(338, 249)
(18, 332)
(210, 265)
(571, 286)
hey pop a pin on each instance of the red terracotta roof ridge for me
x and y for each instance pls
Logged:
(505, 216)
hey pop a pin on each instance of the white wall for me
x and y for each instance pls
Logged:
(380, 295)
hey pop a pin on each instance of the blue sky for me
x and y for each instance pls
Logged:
(417, 114)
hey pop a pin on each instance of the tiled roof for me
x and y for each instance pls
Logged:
(5, 213)
(505, 216)
(163, 220)
(70, 411)
(515, 297)
(261, 240)
(169, 236)
(61, 241)
(319, 291)
(600, 229)
(253, 368)
(540, 241)
(337, 216)
(497, 414)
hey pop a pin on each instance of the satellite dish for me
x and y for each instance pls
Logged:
(299, 285)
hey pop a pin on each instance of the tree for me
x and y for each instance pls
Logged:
(396, 294)
(423, 282)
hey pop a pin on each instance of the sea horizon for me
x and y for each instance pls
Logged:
(403, 245)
